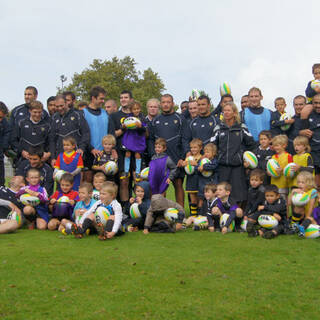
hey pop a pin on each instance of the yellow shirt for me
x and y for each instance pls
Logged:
(283, 160)
(302, 161)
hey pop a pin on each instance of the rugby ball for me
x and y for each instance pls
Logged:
(131, 123)
(111, 168)
(312, 232)
(201, 221)
(189, 169)
(15, 216)
(267, 221)
(272, 166)
(285, 116)
(251, 158)
(243, 225)
(171, 214)
(144, 173)
(315, 84)
(63, 199)
(288, 170)
(59, 175)
(195, 94)
(102, 215)
(223, 221)
(225, 89)
(29, 200)
(134, 211)
(96, 195)
(204, 172)
(300, 199)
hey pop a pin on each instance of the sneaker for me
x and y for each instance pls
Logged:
(217, 230)
(125, 175)
(196, 228)
(77, 231)
(295, 227)
(301, 232)
(268, 235)
(101, 232)
(138, 177)
(251, 229)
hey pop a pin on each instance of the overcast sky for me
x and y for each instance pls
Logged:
(191, 44)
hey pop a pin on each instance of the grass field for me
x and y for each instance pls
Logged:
(187, 275)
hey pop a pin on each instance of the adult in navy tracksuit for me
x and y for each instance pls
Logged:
(4, 138)
(202, 126)
(170, 126)
(232, 139)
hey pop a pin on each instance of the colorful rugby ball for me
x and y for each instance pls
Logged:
(201, 221)
(102, 215)
(189, 169)
(144, 173)
(63, 199)
(171, 214)
(206, 173)
(288, 170)
(15, 216)
(111, 168)
(267, 221)
(134, 211)
(29, 200)
(131, 123)
(243, 225)
(300, 199)
(195, 94)
(251, 158)
(59, 175)
(285, 116)
(223, 221)
(315, 84)
(272, 166)
(312, 232)
(225, 89)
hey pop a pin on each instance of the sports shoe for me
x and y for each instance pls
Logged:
(125, 175)
(196, 228)
(301, 232)
(77, 231)
(268, 235)
(101, 232)
(251, 229)
(138, 177)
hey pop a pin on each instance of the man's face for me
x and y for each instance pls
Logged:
(193, 109)
(316, 103)
(35, 161)
(153, 109)
(29, 95)
(69, 101)
(244, 102)
(203, 107)
(298, 105)
(184, 106)
(166, 104)
(110, 107)
(225, 100)
(35, 115)
(99, 100)
(52, 107)
(124, 99)
(255, 98)
(61, 106)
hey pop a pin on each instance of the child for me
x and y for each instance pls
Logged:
(209, 151)
(225, 205)
(279, 145)
(192, 179)
(302, 158)
(108, 195)
(155, 220)
(276, 123)
(162, 169)
(135, 140)
(62, 212)
(302, 216)
(39, 213)
(310, 93)
(70, 161)
(142, 192)
(98, 180)
(210, 190)
(108, 154)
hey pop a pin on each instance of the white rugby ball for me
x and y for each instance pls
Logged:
(312, 232)
(267, 221)
(59, 175)
(288, 170)
(111, 168)
(131, 123)
(102, 215)
(171, 214)
(300, 199)
(272, 166)
(15, 216)
(134, 211)
(204, 172)
(144, 174)
(29, 200)
(243, 225)
(189, 169)
(223, 221)
(225, 89)
(201, 221)
(315, 84)
(251, 158)
(63, 199)
(285, 116)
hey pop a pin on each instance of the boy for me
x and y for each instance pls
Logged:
(155, 220)
(310, 93)
(225, 205)
(98, 180)
(276, 123)
(62, 212)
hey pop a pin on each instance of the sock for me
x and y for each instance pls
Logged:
(87, 223)
(126, 164)
(138, 166)
(109, 225)
(193, 209)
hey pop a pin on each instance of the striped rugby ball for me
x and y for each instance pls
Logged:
(102, 215)
(131, 123)
(288, 170)
(63, 199)
(315, 84)
(243, 225)
(29, 200)
(195, 94)
(267, 221)
(225, 89)
(15, 216)
(300, 199)
(251, 158)
(171, 214)
(111, 168)
(272, 165)
(200, 221)
(285, 116)
(134, 211)
(144, 174)
(189, 169)
(223, 220)
(313, 231)
(205, 173)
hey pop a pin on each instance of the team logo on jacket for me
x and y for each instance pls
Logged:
(26, 126)
(210, 124)
(72, 118)
(166, 123)
(42, 129)
(175, 121)
(237, 133)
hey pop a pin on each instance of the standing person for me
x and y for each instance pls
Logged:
(70, 98)
(193, 110)
(170, 126)
(256, 117)
(99, 125)
(232, 138)
(310, 92)
(244, 101)
(111, 106)
(51, 105)
(217, 112)
(4, 138)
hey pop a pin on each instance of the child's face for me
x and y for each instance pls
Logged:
(209, 194)
(195, 149)
(159, 148)
(208, 154)
(35, 114)
(136, 110)
(139, 192)
(107, 146)
(65, 186)
(33, 178)
(264, 141)
(68, 146)
(299, 148)
(279, 148)
(98, 182)
(84, 195)
(255, 182)
(280, 105)
(35, 161)
(302, 184)
(105, 196)
(222, 192)
(316, 73)
(271, 196)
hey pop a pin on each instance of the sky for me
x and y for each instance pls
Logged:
(190, 44)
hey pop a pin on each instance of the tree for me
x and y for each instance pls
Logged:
(114, 76)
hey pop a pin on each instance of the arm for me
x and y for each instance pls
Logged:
(213, 165)
(84, 132)
(310, 93)
(247, 138)
(172, 167)
(111, 128)
(186, 136)
(309, 167)
(88, 212)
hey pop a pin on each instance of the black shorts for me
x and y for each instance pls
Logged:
(180, 173)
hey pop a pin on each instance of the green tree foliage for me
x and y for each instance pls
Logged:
(114, 76)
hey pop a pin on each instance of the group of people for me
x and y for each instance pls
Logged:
(67, 152)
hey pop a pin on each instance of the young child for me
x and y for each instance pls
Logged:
(302, 216)
(192, 179)
(276, 123)
(108, 154)
(279, 145)
(162, 169)
(39, 213)
(98, 180)
(209, 151)
(302, 158)
(113, 228)
(155, 220)
(210, 190)
(142, 192)
(310, 93)
(135, 140)
(70, 161)
(226, 205)
(62, 212)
